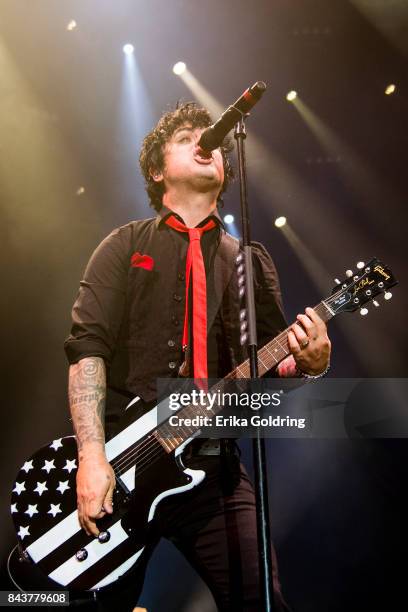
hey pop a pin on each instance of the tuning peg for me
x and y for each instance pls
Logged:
(349, 273)
(387, 295)
(242, 315)
(241, 280)
(240, 269)
(243, 339)
(360, 265)
(336, 280)
(238, 259)
(363, 311)
(243, 326)
(376, 304)
(241, 292)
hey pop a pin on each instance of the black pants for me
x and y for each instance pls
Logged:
(214, 526)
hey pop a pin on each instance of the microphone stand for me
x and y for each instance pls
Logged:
(259, 454)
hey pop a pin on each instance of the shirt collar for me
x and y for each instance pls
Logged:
(165, 212)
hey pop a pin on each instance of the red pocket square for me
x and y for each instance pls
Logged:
(142, 261)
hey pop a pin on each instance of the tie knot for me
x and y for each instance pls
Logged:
(194, 233)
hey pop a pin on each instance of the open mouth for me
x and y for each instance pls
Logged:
(203, 160)
(202, 156)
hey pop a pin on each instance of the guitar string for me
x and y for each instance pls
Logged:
(144, 451)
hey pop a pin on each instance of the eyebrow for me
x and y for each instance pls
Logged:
(182, 129)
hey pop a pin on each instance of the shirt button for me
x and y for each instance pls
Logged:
(171, 343)
(181, 276)
(172, 365)
(177, 297)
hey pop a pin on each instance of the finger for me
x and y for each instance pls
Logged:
(90, 525)
(81, 517)
(90, 522)
(287, 368)
(282, 369)
(94, 512)
(317, 320)
(301, 336)
(86, 525)
(308, 325)
(293, 343)
(305, 321)
(108, 502)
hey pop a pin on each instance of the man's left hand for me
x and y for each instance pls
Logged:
(309, 344)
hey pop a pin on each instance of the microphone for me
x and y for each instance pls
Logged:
(213, 136)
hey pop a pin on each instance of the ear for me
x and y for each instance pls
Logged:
(156, 175)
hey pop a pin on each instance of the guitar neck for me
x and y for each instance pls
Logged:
(268, 357)
(277, 349)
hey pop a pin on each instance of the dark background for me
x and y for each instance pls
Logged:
(67, 121)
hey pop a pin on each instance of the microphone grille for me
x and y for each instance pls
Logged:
(258, 89)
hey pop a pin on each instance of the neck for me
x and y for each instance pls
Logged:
(192, 207)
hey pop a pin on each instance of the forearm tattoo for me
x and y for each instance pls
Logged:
(87, 392)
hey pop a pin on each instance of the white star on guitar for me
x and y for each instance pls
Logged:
(54, 509)
(70, 465)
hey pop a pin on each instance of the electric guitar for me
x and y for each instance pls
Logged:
(147, 459)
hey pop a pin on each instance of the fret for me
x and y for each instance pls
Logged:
(275, 351)
(262, 363)
(284, 339)
(240, 372)
(328, 312)
(270, 354)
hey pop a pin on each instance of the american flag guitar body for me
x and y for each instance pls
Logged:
(44, 504)
(146, 456)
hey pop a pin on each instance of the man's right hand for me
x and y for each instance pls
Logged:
(95, 487)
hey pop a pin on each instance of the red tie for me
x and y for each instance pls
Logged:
(196, 262)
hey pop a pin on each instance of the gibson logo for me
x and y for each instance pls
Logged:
(363, 283)
(381, 271)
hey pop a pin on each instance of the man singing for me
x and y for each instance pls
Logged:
(131, 319)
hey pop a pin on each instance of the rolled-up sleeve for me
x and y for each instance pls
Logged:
(268, 298)
(98, 310)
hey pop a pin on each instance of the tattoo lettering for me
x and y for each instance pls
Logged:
(84, 398)
(87, 392)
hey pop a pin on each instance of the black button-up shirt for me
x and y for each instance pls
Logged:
(133, 317)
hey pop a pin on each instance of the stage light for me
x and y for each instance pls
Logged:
(71, 25)
(292, 95)
(80, 191)
(390, 89)
(228, 219)
(179, 68)
(128, 49)
(280, 221)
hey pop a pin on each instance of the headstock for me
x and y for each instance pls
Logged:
(359, 288)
